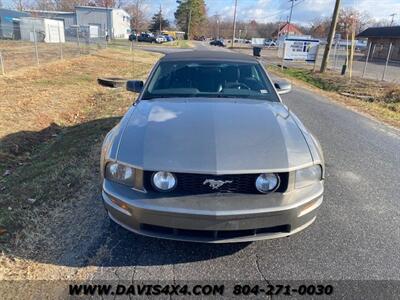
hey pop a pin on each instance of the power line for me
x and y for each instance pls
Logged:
(281, 12)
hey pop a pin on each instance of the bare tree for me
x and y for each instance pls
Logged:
(137, 10)
(20, 4)
(69, 5)
(104, 3)
(44, 5)
(349, 18)
(320, 27)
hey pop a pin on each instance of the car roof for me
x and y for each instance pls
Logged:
(209, 55)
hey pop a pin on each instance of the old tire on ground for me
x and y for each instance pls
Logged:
(112, 82)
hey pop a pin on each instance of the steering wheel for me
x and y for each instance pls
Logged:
(238, 85)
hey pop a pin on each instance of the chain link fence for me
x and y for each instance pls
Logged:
(376, 61)
(35, 41)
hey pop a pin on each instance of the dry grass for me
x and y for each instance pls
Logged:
(52, 122)
(19, 54)
(126, 44)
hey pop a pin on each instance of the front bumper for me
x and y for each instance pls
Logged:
(212, 218)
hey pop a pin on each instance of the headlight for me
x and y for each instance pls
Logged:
(120, 173)
(163, 181)
(267, 182)
(308, 176)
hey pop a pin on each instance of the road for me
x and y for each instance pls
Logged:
(356, 234)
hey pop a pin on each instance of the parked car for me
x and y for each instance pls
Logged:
(169, 38)
(270, 43)
(160, 39)
(132, 37)
(146, 37)
(209, 153)
(219, 43)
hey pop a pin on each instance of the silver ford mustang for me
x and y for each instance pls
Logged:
(209, 153)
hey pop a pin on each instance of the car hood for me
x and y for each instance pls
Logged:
(213, 136)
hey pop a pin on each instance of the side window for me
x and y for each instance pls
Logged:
(254, 73)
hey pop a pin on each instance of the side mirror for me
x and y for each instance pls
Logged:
(135, 86)
(283, 87)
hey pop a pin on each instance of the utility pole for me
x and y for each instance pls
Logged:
(332, 30)
(137, 16)
(190, 21)
(392, 15)
(234, 23)
(291, 11)
(160, 19)
(218, 24)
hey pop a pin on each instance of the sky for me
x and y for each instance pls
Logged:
(304, 12)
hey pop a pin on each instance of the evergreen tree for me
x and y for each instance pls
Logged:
(190, 17)
(155, 22)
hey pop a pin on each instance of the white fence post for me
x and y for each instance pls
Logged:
(387, 61)
(2, 64)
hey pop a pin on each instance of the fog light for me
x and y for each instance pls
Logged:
(163, 181)
(267, 182)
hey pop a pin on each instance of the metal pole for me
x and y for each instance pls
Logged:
(35, 42)
(372, 54)
(291, 11)
(77, 39)
(59, 40)
(218, 23)
(352, 53)
(366, 60)
(316, 57)
(2, 64)
(387, 61)
(335, 55)
(330, 36)
(234, 24)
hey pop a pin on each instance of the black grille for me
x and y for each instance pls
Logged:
(197, 183)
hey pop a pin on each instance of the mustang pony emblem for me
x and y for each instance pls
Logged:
(216, 184)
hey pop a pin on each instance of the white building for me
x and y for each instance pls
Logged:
(98, 21)
(113, 21)
(42, 30)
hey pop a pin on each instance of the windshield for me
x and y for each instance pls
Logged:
(210, 79)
